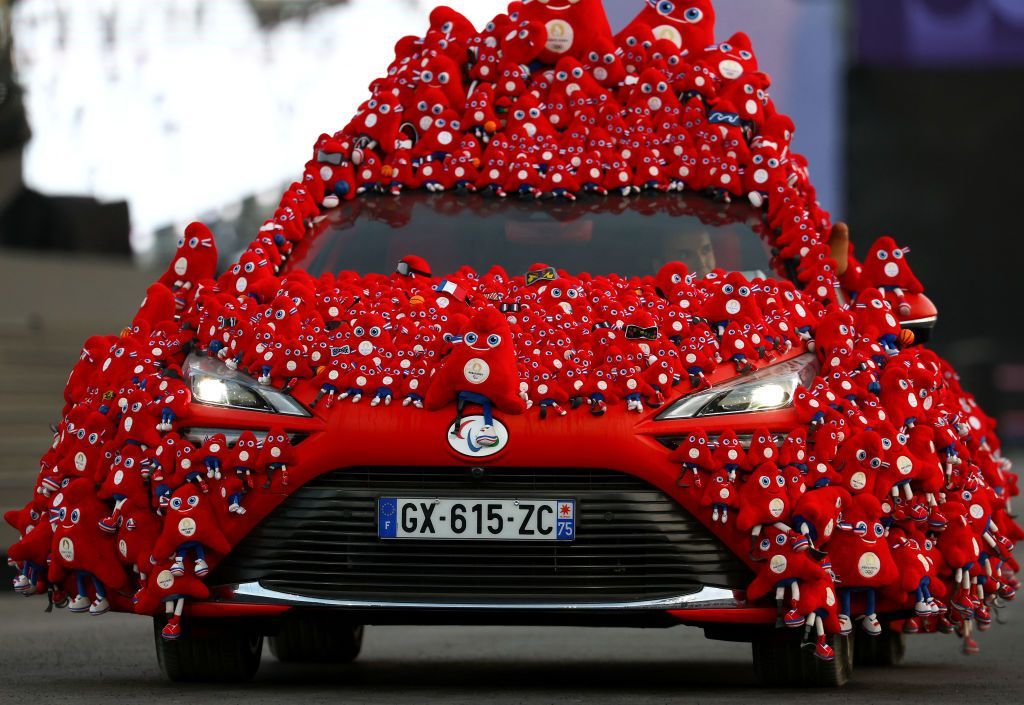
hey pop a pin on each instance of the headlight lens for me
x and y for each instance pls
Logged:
(214, 384)
(766, 390)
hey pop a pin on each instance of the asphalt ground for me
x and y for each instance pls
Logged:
(71, 659)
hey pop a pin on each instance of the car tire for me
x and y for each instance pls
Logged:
(883, 651)
(212, 654)
(313, 640)
(780, 660)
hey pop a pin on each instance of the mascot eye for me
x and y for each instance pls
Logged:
(494, 340)
(883, 255)
(62, 513)
(359, 331)
(385, 109)
(471, 338)
(862, 455)
(781, 481)
(876, 463)
(879, 530)
(577, 72)
(897, 254)
(966, 495)
(374, 332)
(194, 242)
(766, 482)
(427, 76)
(562, 75)
(279, 315)
(75, 516)
(236, 269)
(744, 291)
(665, 7)
(193, 500)
(443, 78)
(81, 433)
(181, 242)
(728, 289)
(773, 163)
(765, 545)
(129, 463)
(886, 443)
(176, 503)
(250, 267)
(746, 55)
(520, 115)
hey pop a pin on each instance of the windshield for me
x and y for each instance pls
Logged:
(600, 235)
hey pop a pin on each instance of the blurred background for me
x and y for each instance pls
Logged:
(121, 121)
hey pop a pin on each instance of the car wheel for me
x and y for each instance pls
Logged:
(885, 650)
(214, 653)
(780, 659)
(308, 639)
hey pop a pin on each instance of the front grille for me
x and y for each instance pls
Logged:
(632, 542)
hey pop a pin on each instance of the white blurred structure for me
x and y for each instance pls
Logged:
(185, 106)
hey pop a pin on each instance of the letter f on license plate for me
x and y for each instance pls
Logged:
(476, 519)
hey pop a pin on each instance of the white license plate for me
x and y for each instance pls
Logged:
(477, 519)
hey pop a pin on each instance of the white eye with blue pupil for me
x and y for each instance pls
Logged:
(494, 340)
(666, 7)
(471, 338)
(780, 539)
(176, 503)
(193, 501)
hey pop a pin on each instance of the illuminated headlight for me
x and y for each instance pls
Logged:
(214, 384)
(766, 390)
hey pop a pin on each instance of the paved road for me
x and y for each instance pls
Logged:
(63, 658)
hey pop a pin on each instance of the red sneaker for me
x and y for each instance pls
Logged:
(911, 626)
(970, 646)
(823, 651)
(172, 630)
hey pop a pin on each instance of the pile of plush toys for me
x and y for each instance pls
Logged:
(891, 486)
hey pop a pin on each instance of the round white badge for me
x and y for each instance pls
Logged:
(165, 579)
(187, 527)
(476, 371)
(560, 36)
(778, 564)
(473, 438)
(869, 565)
(66, 549)
(667, 31)
(776, 507)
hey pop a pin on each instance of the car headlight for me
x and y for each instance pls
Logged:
(214, 384)
(766, 390)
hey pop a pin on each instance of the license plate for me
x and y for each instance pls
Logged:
(476, 519)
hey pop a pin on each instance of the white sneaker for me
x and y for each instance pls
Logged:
(845, 625)
(99, 607)
(201, 568)
(871, 625)
(80, 604)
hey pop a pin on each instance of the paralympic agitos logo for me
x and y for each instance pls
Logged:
(471, 437)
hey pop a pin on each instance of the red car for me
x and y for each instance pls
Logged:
(508, 370)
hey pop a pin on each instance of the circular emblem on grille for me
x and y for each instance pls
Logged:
(473, 438)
